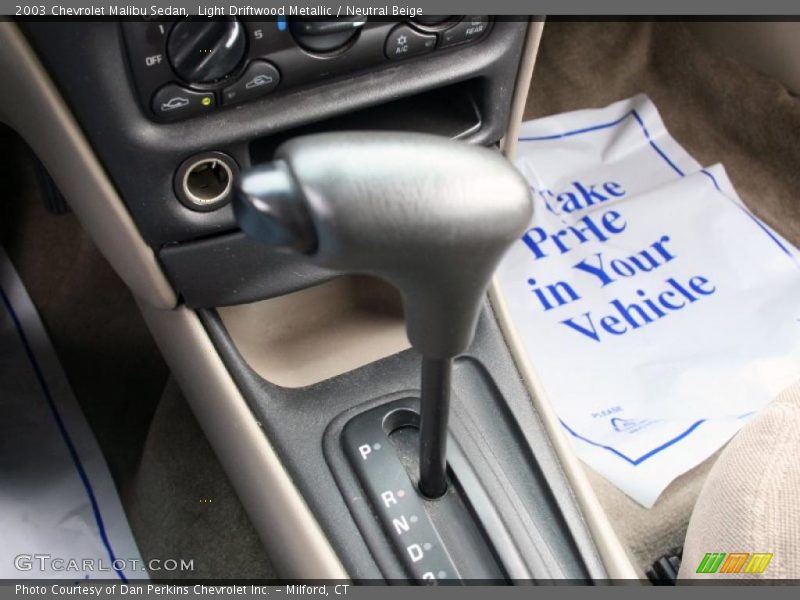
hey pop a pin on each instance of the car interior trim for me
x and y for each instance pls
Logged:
(278, 510)
(288, 529)
(33, 107)
(611, 550)
(293, 340)
(522, 86)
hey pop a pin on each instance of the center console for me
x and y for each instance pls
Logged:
(177, 111)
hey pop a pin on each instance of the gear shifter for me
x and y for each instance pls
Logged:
(430, 215)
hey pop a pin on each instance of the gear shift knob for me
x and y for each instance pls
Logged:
(430, 215)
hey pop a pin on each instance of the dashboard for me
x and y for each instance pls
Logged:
(176, 108)
(190, 67)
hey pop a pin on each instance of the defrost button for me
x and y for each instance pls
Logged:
(467, 30)
(260, 78)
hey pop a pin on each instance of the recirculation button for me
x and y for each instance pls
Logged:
(173, 102)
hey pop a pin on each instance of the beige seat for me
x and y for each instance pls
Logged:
(750, 502)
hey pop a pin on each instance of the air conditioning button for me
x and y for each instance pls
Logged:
(403, 42)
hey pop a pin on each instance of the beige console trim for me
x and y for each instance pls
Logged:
(298, 546)
(32, 106)
(305, 337)
(611, 550)
(508, 145)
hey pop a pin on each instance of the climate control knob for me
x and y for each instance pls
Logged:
(208, 50)
(325, 35)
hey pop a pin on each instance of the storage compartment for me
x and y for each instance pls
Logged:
(308, 336)
(450, 111)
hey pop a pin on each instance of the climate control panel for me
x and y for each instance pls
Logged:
(183, 69)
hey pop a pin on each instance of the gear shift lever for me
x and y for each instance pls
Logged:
(430, 215)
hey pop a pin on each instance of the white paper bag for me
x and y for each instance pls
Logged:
(659, 313)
